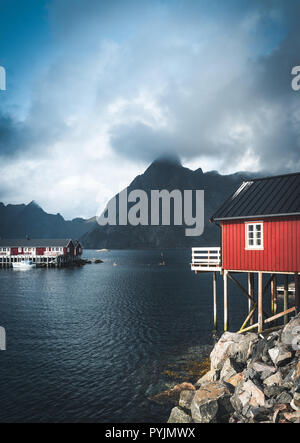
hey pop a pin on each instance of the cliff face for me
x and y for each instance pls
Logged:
(251, 380)
(169, 175)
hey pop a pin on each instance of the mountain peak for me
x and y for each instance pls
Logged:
(33, 204)
(170, 160)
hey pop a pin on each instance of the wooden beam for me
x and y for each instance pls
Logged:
(250, 317)
(215, 300)
(249, 329)
(260, 303)
(286, 298)
(251, 293)
(242, 288)
(281, 314)
(274, 302)
(268, 284)
(225, 301)
(297, 293)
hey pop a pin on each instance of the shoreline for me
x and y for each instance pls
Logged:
(251, 378)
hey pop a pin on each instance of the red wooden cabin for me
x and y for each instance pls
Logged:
(39, 251)
(260, 230)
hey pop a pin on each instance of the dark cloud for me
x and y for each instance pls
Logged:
(251, 108)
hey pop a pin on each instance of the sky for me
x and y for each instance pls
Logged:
(98, 89)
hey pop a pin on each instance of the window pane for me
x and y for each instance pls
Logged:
(251, 242)
(258, 227)
(258, 234)
(251, 234)
(258, 242)
(250, 227)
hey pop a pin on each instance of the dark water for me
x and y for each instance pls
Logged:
(92, 344)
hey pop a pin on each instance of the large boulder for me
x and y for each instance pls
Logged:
(280, 355)
(171, 396)
(291, 334)
(247, 394)
(237, 347)
(208, 377)
(179, 416)
(273, 380)
(186, 398)
(211, 404)
(230, 369)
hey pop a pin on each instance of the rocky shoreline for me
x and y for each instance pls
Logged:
(252, 379)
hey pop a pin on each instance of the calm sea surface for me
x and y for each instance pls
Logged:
(94, 343)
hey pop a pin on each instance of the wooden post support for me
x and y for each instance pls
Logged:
(297, 293)
(225, 301)
(215, 300)
(251, 293)
(260, 303)
(286, 297)
(274, 295)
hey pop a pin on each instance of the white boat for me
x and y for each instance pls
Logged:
(24, 265)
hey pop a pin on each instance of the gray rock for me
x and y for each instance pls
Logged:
(273, 380)
(247, 394)
(211, 404)
(230, 369)
(235, 346)
(280, 355)
(260, 414)
(284, 397)
(186, 398)
(273, 391)
(295, 403)
(179, 416)
(208, 377)
(260, 352)
(263, 367)
(291, 332)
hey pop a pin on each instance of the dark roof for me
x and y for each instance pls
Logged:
(269, 196)
(34, 243)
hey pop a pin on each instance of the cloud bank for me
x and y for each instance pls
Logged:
(120, 83)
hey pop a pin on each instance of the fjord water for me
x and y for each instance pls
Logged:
(94, 343)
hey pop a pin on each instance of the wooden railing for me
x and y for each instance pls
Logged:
(206, 259)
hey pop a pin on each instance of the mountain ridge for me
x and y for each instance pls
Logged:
(17, 221)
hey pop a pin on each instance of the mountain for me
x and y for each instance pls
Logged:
(17, 221)
(169, 174)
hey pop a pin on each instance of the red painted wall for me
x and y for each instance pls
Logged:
(281, 251)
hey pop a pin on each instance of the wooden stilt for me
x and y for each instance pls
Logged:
(274, 295)
(297, 293)
(260, 303)
(225, 301)
(215, 300)
(286, 298)
(251, 293)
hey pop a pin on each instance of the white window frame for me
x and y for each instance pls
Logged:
(255, 246)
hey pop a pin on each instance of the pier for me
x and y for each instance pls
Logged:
(44, 253)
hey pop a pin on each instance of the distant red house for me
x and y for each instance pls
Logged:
(39, 251)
